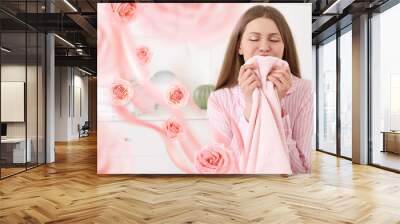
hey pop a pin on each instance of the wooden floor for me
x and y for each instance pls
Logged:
(387, 159)
(10, 171)
(70, 191)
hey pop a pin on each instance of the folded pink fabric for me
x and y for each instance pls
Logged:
(230, 127)
(265, 148)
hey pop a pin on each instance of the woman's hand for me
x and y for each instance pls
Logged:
(248, 81)
(282, 79)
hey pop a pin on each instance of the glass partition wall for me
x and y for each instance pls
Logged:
(22, 88)
(346, 92)
(385, 90)
(326, 97)
(334, 95)
(334, 72)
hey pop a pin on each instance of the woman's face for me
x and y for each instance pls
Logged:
(261, 37)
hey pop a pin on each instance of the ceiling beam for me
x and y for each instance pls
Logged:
(85, 25)
(82, 61)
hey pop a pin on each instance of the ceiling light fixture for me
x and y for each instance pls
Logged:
(5, 50)
(70, 5)
(84, 71)
(337, 7)
(64, 40)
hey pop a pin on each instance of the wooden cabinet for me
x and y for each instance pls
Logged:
(391, 142)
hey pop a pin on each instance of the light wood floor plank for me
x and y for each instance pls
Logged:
(70, 191)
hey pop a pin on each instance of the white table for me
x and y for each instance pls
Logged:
(19, 155)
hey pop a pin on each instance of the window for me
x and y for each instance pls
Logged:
(327, 96)
(346, 93)
(385, 89)
(22, 66)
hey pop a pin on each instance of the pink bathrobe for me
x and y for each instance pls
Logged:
(266, 143)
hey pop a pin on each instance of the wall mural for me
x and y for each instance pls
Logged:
(157, 66)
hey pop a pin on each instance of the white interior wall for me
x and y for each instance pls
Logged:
(79, 117)
(68, 83)
(61, 103)
(15, 73)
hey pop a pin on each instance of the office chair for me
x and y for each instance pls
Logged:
(84, 130)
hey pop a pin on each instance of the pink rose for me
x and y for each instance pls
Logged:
(122, 91)
(177, 95)
(143, 54)
(124, 10)
(212, 159)
(172, 127)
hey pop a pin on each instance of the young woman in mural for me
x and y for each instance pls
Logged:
(263, 31)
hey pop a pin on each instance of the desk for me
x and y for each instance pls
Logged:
(16, 147)
(391, 141)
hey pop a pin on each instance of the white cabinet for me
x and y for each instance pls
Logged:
(17, 146)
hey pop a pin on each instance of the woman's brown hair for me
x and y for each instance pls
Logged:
(232, 61)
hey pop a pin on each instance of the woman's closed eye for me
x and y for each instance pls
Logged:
(275, 39)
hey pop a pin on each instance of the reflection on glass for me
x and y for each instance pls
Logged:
(386, 89)
(346, 94)
(22, 90)
(394, 102)
(41, 98)
(327, 97)
(13, 86)
(31, 101)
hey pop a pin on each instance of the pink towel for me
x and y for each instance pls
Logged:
(265, 149)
